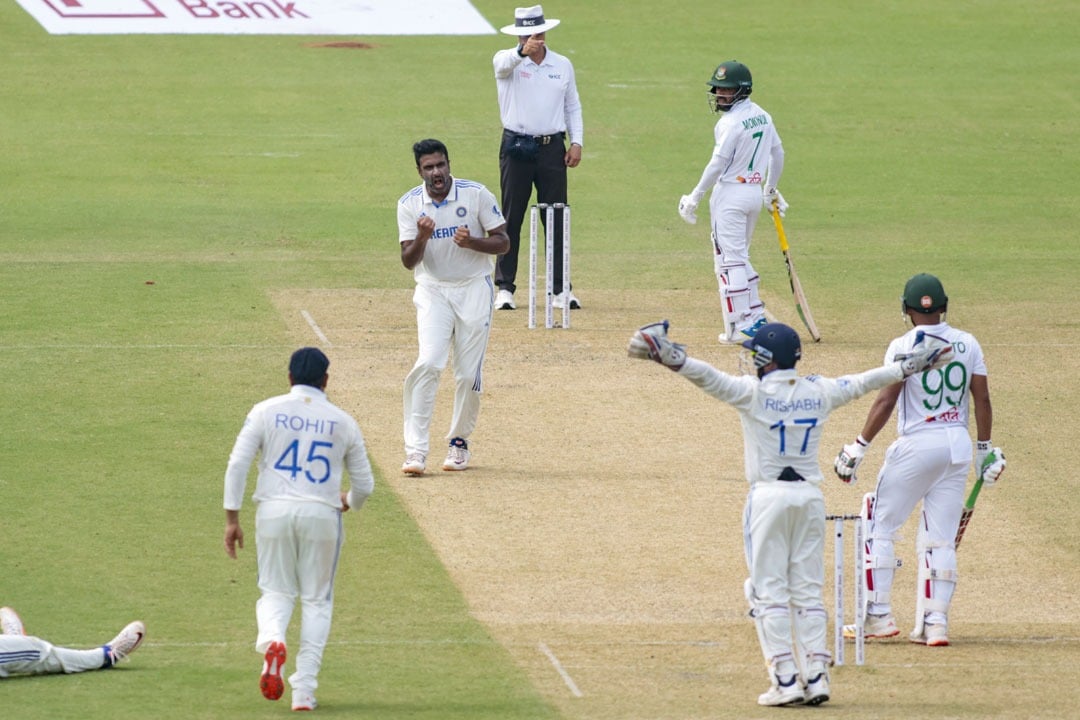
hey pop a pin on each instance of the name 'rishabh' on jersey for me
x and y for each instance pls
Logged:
(468, 203)
(937, 398)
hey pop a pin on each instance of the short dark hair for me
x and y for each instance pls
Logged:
(307, 366)
(428, 147)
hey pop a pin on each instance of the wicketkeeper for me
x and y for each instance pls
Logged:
(784, 519)
(929, 461)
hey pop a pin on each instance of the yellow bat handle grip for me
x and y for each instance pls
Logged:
(779, 228)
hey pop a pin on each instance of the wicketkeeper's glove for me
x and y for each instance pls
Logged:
(847, 462)
(651, 342)
(931, 354)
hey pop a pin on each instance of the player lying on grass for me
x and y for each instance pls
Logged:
(22, 654)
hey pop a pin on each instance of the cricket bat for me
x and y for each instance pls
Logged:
(969, 510)
(801, 305)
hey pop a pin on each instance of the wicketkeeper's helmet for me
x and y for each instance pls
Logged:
(775, 342)
(924, 294)
(730, 74)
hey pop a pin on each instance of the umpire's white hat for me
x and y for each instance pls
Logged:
(529, 21)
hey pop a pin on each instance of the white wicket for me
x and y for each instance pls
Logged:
(838, 588)
(549, 263)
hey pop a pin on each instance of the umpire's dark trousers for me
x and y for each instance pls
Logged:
(516, 179)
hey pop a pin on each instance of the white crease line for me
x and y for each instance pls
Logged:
(318, 333)
(559, 668)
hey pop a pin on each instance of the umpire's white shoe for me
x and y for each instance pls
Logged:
(457, 457)
(559, 302)
(504, 300)
(10, 622)
(129, 639)
(415, 464)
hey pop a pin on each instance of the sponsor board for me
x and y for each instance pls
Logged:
(258, 17)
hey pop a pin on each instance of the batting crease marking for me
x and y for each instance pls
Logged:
(318, 333)
(560, 669)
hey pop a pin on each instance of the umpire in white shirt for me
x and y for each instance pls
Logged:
(304, 442)
(541, 113)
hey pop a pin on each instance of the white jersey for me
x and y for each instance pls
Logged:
(937, 398)
(747, 150)
(444, 263)
(783, 414)
(304, 442)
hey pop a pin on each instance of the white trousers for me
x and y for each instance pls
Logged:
(458, 318)
(298, 546)
(931, 466)
(28, 655)
(733, 211)
(784, 539)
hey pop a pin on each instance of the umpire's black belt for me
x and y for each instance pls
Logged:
(540, 139)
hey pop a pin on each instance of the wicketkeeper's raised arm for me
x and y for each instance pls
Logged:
(934, 355)
(651, 342)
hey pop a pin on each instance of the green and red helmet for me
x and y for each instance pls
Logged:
(730, 74)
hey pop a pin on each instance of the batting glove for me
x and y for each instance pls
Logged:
(688, 209)
(847, 462)
(773, 197)
(990, 461)
(651, 342)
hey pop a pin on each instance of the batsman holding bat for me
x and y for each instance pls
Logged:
(742, 173)
(929, 461)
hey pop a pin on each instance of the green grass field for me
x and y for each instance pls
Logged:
(155, 190)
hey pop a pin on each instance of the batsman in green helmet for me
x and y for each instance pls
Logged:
(743, 173)
(928, 463)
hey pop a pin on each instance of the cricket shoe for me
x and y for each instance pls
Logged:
(751, 330)
(817, 688)
(876, 627)
(933, 635)
(125, 643)
(559, 302)
(10, 622)
(303, 700)
(504, 300)
(270, 682)
(415, 463)
(780, 694)
(457, 457)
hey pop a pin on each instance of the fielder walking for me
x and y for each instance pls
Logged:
(929, 461)
(22, 654)
(743, 172)
(450, 229)
(782, 418)
(540, 110)
(305, 444)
